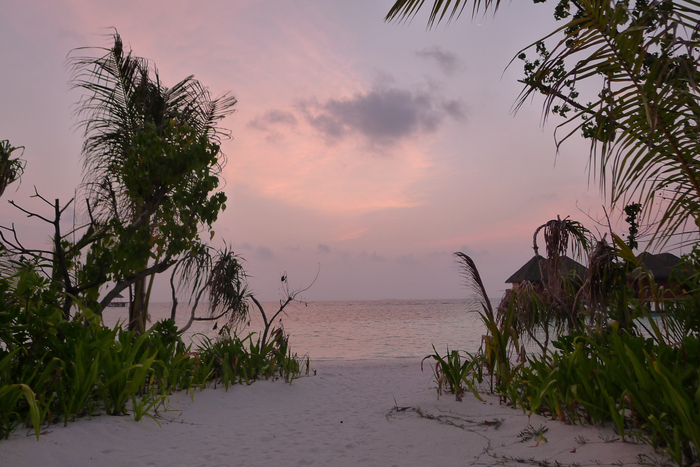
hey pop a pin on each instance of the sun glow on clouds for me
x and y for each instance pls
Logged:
(335, 137)
(358, 151)
(304, 171)
(352, 235)
(376, 149)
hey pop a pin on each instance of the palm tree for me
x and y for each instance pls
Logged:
(644, 125)
(218, 274)
(123, 95)
(151, 158)
(10, 169)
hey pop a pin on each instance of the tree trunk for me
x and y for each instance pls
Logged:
(138, 309)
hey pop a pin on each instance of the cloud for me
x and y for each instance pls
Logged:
(353, 234)
(323, 249)
(271, 122)
(448, 62)
(375, 257)
(383, 116)
(407, 260)
(272, 117)
(455, 109)
(264, 253)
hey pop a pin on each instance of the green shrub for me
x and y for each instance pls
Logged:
(453, 375)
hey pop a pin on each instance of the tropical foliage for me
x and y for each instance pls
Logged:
(642, 121)
(10, 169)
(608, 359)
(151, 156)
(54, 370)
(612, 361)
(152, 163)
(454, 375)
(151, 169)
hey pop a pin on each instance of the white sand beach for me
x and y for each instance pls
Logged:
(344, 415)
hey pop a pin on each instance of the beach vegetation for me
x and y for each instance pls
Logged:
(152, 158)
(624, 76)
(11, 168)
(56, 370)
(152, 161)
(453, 375)
(231, 359)
(615, 362)
(217, 275)
(291, 296)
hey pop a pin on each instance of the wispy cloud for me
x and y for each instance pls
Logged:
(375, 257)
(352, 235)
(272, 117)
(407, 260)
(273, 122)
(447, 61)
(264, 253)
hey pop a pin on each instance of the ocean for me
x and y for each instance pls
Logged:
(328, 330)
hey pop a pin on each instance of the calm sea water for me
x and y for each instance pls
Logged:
(355, 329)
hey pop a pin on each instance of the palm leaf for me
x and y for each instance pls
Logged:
(644, 126)
(441, 10)
(472, 279)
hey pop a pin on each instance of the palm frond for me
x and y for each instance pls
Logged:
(644, 126)
(218, 274)
(472, 280)
(10, 169)
(441, 10)
(192, 270)
(228, 291)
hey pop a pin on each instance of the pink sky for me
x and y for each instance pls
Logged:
(373, 149)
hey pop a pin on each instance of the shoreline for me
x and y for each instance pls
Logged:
(382, 412)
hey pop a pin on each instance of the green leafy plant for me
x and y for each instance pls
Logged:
(502, 340)
(10, 395)
(455, 376)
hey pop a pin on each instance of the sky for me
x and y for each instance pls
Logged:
(364, 153)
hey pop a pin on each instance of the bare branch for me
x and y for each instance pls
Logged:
(29, 213)
(155, 269)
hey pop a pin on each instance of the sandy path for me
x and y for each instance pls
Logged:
(342, 416)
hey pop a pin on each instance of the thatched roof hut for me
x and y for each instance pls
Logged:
(531, 271)
(660, 265)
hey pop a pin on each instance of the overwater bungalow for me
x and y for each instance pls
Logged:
(661, 266)
(118, 302)
(530, 271)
